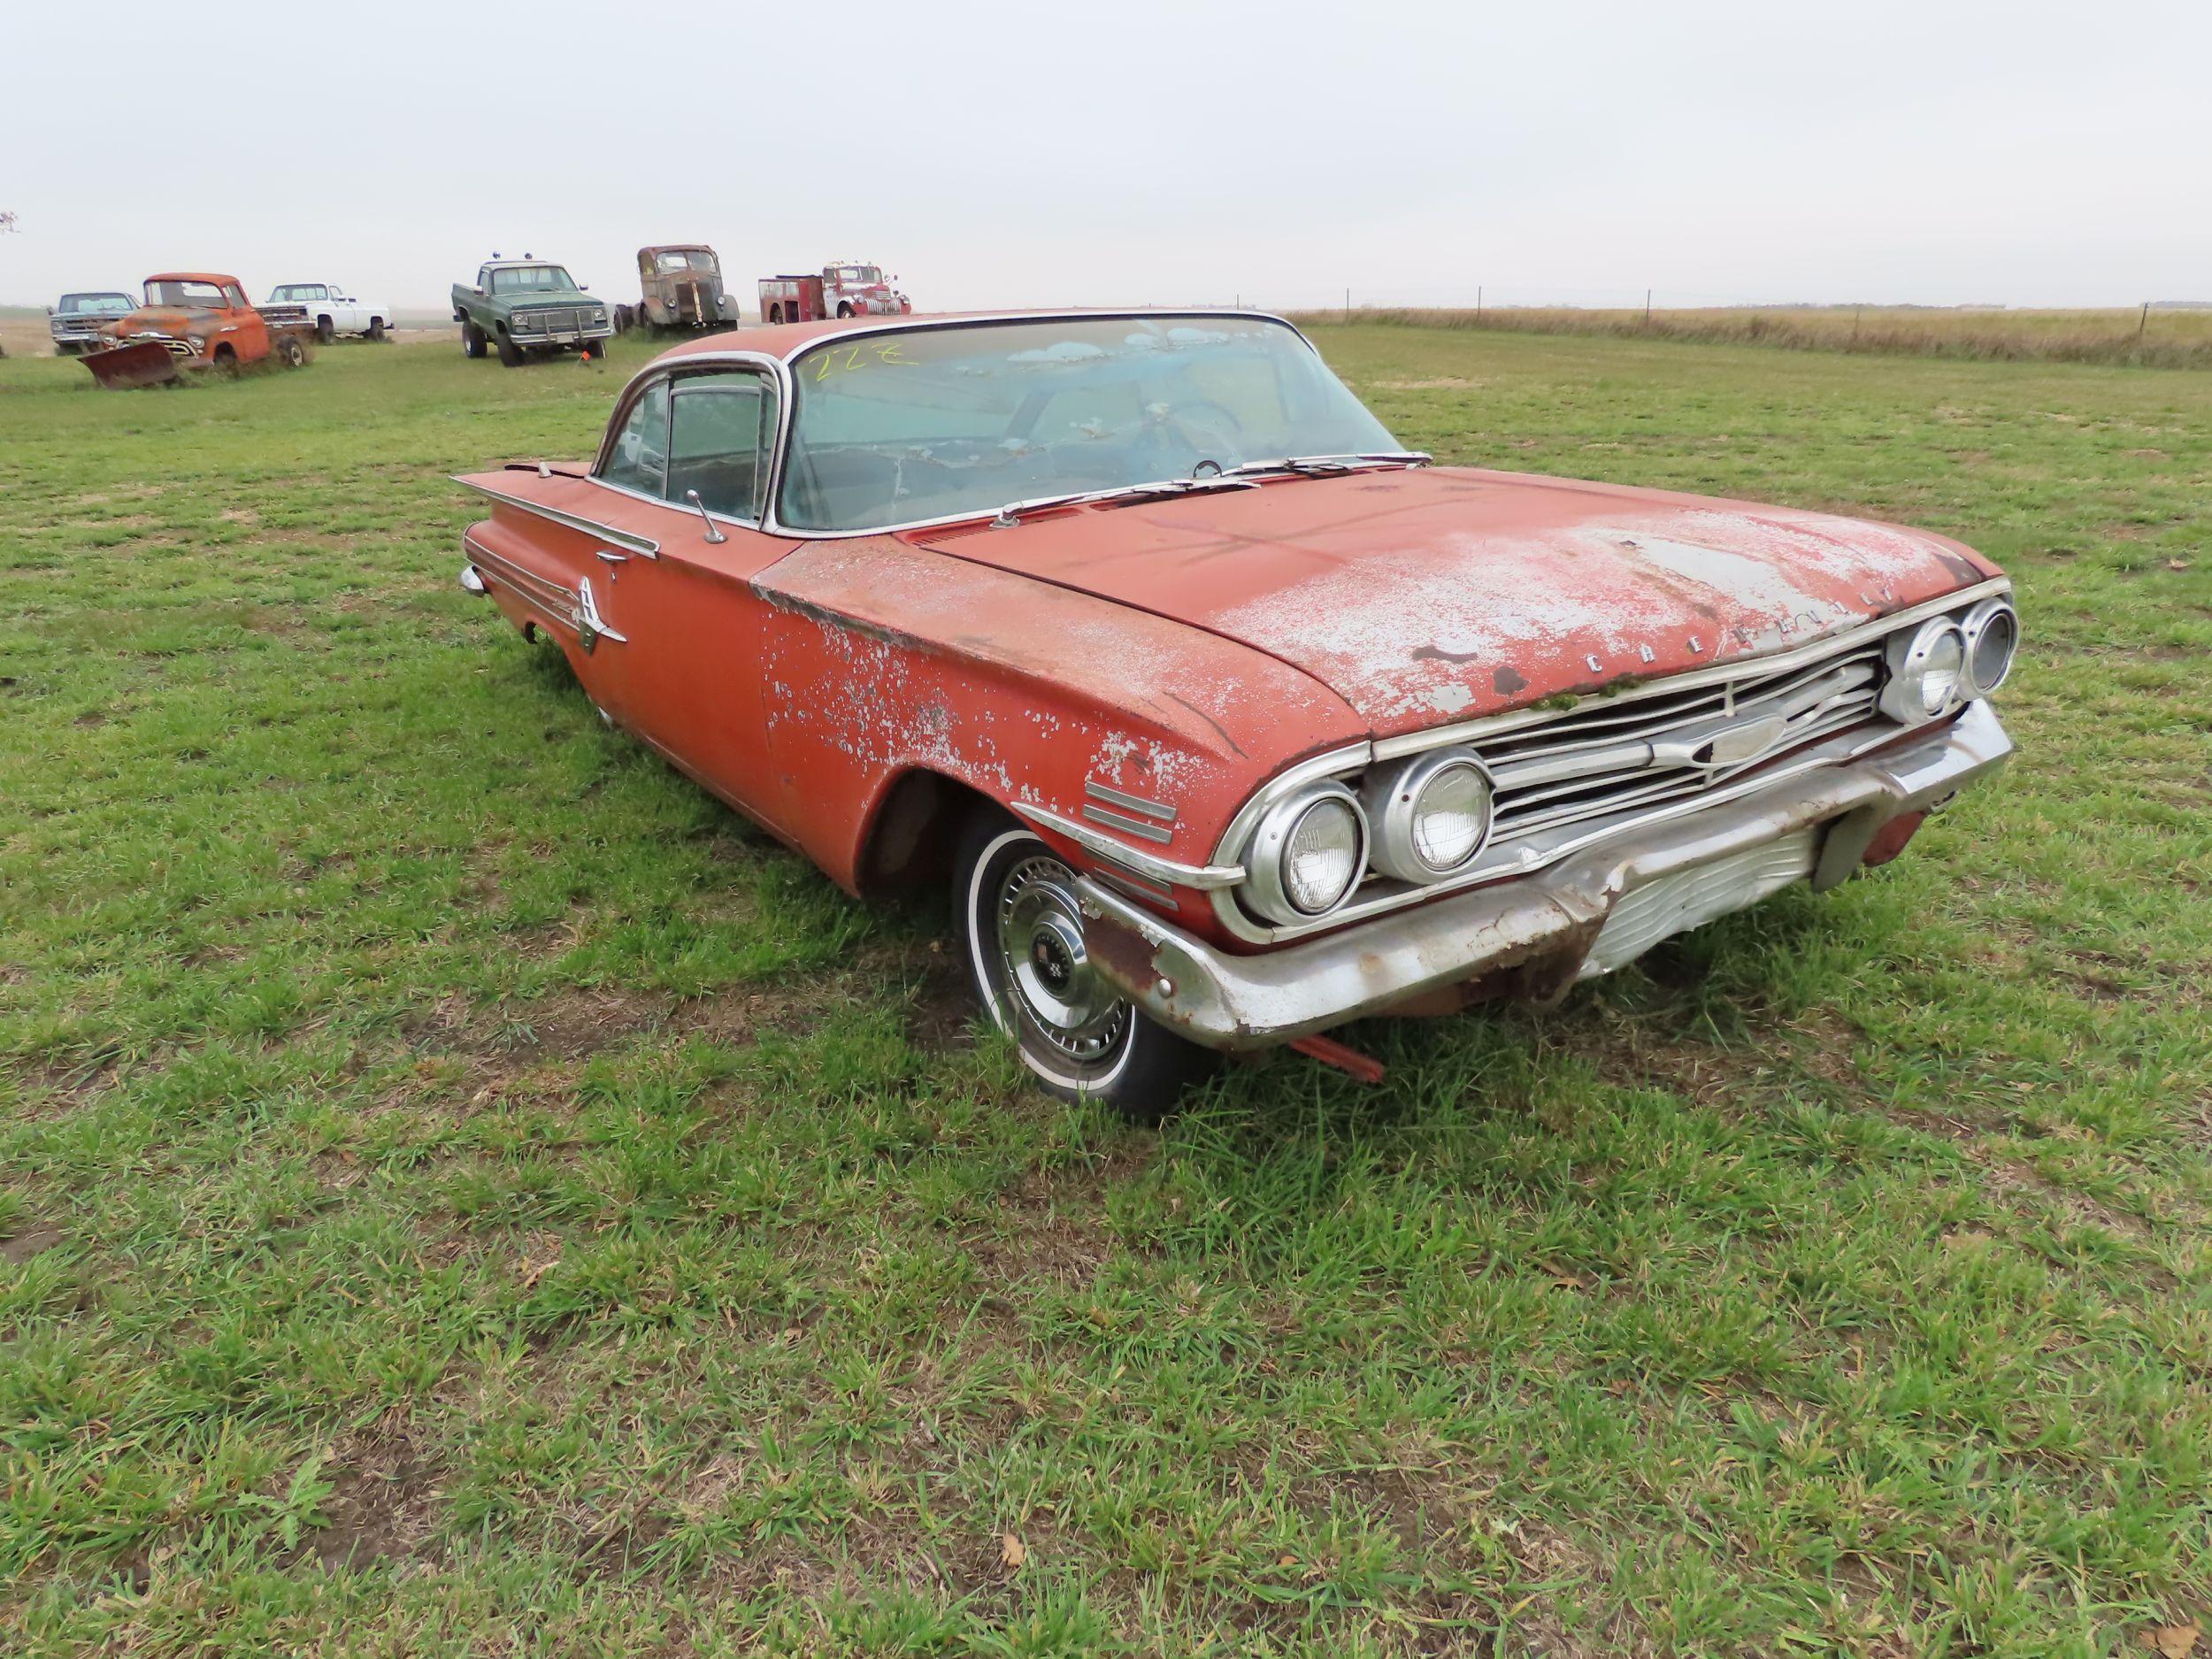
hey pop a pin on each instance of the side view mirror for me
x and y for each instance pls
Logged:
(478, 292)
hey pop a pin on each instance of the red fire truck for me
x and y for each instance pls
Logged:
(842, 288)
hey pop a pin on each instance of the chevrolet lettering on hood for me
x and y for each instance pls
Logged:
(1224, 718)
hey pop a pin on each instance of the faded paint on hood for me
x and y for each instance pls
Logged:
(166, 320)
(1444, 592)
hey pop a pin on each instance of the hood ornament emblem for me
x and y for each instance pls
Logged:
(1740, 743)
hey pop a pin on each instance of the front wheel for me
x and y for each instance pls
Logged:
(376, 329)
(510, 353)
(1021, 930)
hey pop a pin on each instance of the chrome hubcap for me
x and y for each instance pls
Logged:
(1048, 969)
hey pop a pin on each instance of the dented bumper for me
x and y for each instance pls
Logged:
(1547, 928)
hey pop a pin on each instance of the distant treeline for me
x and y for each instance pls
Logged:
(2160, 336)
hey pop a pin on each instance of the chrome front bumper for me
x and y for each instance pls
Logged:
(1549, 920)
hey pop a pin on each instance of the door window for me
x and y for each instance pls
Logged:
(723, 431)
(639, 459)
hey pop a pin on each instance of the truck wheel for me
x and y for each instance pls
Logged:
(472, 341)
(290, 352)
(775, 313)
(324, 331)
(843, 310)
(376, 329)
(510, 353)
(1021, 932)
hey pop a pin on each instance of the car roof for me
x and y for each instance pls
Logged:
(502, 265)
(676, 247)
(787, 340)
(216, 277)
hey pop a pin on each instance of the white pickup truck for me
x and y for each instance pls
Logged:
(328, 309)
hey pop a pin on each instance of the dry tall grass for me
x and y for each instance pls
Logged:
(2173, 339)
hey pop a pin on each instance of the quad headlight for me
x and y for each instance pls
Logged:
(1991, 632)
(1431, 816)
(1926, 670)
(1307, 853)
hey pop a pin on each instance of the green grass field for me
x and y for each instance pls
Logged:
(463, 1192)
(2175, 337)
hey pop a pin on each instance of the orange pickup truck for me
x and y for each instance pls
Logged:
(192, 319)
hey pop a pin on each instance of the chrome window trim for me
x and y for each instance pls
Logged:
(1204, 878)
(1834, 750)
(773, 368)
(784, 364)
(623, 539)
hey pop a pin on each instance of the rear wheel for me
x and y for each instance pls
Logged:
(326, 330)
(775, 313)
(472, 341)
(1021, 928)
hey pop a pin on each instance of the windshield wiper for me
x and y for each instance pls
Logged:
(1011, 513)
(1321, 465)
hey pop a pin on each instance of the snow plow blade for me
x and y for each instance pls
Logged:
(149, 362)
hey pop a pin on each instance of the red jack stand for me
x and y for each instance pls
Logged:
(1351, 1062)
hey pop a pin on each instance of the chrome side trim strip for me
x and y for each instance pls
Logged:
(622, 539)
(1205, 878)
(1129, 802)
(1125, 824)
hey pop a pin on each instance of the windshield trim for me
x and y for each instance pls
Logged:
(780, 367)
(787, 365)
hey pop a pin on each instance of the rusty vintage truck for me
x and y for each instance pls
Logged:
(192, 321)
(681, 286)
(1224, 718)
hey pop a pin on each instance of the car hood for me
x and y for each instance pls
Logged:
(168, 319)
(1427, 594)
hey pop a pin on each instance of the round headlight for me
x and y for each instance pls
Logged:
(1431, 815)
(1992, 634)
(1307, 853)
(1925, 667)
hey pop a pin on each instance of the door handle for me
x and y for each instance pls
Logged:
(612, 557)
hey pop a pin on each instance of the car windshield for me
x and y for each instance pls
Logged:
(298, 291)
(186, 295)
(114, 303)
(860, 274)
(686, 261)
(532, 279)
(937, 423)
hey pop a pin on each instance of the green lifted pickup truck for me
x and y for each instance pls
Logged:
(527, 307)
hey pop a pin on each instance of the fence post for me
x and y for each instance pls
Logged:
(1477, 304)
(2144, 323)
(1646, 308)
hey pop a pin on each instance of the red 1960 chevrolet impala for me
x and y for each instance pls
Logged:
(1227, 720)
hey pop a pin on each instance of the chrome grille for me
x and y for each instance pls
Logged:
(1600, 759)
(548, 320)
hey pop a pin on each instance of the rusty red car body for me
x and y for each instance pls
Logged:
(1660, 707)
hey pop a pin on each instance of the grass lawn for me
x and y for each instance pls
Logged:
(463, 1192)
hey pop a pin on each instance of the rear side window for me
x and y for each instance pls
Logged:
(639, 458)
(723, 431)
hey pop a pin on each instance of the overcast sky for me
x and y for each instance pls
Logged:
(1937, 152)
